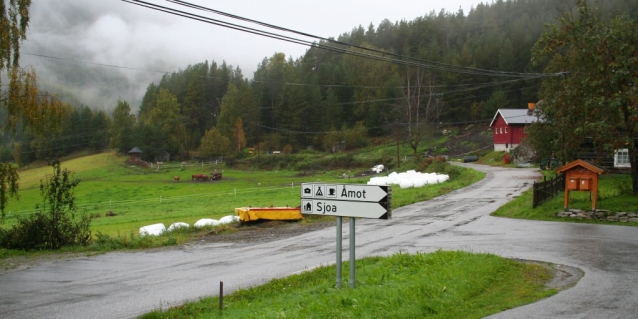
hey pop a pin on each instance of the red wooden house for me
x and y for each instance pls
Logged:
(508, 126)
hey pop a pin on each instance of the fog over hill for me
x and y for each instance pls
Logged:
(78, 33)
(67, 40)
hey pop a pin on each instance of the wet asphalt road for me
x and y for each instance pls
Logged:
(123, 285)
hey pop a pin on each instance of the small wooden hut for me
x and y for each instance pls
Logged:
(581, 175)
(134, 154)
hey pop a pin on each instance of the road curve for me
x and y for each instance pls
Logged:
(123, 285)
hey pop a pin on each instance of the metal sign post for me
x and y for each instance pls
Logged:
(346, 200)
(352, 255)
(339, 251)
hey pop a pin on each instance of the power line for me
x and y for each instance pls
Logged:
(381, 57)
(499, 73)
(252, 80)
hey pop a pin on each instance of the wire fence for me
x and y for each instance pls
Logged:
(159, 165)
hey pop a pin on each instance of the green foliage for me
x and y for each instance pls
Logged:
(495, 158)
(151, 139)
(286, 150)
(595, 96)
(355, 137)
(238, 136)
(24, 107)
(121, 131)
(238, 102)
(8, 185)
(214, 144)
(615, 194)
(104, 242)
(441, 166)
(55, 225)
(443, 284)
(498, 100)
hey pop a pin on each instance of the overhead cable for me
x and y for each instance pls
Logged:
(490, 72)
(381, 57)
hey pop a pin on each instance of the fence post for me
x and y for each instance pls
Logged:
(534, 195)
(221, 296)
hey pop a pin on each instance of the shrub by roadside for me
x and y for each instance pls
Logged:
(56, 223)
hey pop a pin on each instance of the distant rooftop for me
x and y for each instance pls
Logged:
(515, 116)
(135, 150)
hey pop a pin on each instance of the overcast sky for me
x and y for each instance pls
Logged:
(117, 33)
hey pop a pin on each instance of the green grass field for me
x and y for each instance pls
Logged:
(143, 196)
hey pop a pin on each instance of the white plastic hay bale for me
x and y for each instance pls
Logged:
(177, 225)
(406, 183)
(228, 219)
(409, 179)
(419, 181)
(381, 181)
(442, 178)
(206, 222)
(391, 179)
(431, 179)
(152, 230)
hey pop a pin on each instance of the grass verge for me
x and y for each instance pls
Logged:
(614, 195)
(443, 284)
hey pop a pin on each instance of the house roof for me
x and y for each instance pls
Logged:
(586, 164)
(135, 150)
(514, 116)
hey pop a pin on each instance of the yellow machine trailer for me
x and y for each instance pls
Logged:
(247, 214)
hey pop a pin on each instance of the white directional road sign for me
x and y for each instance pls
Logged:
(346, 200)
(344, 208)
(348, 192)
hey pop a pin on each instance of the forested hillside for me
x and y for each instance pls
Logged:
(404, 78)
